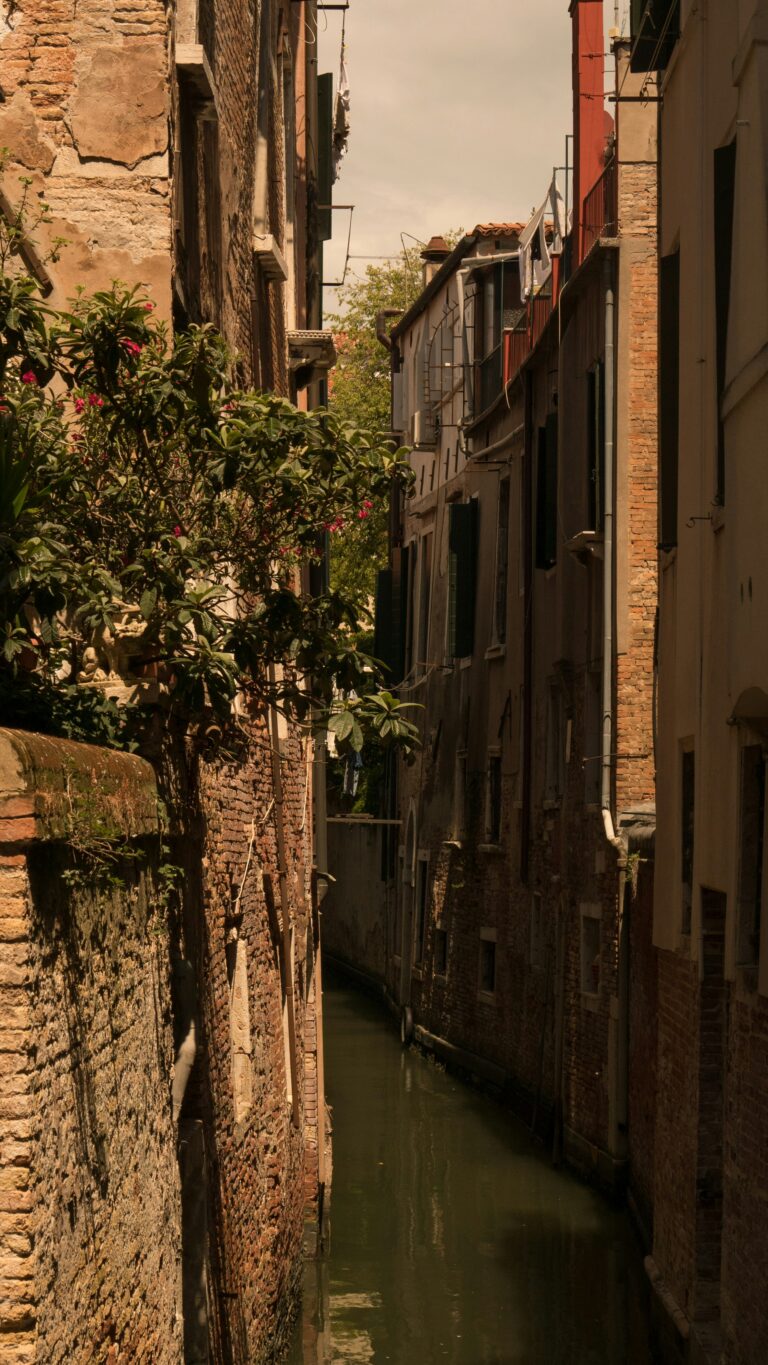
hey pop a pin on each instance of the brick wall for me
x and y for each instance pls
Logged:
(89, 1190)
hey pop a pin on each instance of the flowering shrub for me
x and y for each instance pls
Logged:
(136, 478)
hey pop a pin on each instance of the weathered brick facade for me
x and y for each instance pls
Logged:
(90, 1216)
(178, 149)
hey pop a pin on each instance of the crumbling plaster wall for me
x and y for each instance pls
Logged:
(85, 116)
(89, 1188)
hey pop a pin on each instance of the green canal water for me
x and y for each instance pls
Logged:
(452, 1239)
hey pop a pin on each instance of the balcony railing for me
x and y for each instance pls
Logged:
(520, 340)
(599, 211)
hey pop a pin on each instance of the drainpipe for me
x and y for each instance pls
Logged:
(382, 334)
(607, 772)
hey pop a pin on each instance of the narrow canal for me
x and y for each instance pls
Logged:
(452, 1238)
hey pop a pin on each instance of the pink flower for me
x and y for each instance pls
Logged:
(368, 504)
(79, 404)
(362, 514)
(132, 347)
(95, 401)
(148, 307)
(177, 530)
(29, 377)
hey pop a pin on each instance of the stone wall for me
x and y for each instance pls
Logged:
(90, 1216)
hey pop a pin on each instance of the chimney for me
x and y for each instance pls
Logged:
(588, 108)
(435, 252)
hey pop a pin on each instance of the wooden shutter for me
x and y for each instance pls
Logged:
(382, 638)
(324, 155)
(462, 549)
(546, 495)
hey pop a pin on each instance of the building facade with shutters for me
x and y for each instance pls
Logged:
(187, 150)
(709, 67)
(519, 612)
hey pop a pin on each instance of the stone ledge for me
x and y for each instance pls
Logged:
(45, 782)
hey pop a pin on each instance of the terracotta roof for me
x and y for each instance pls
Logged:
(498, 229)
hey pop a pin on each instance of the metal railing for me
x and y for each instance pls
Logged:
(599, 210)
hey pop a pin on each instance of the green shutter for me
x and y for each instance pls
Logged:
(546, 494)
(324, 155)
(462, 550)
(382, 639)
(400, 564)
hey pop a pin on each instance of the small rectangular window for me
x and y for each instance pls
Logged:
(487, 964)
(654, 30)
(441, 952)
(751, 852)
(687, 812)
(590, 953)
(422, 898)
(493, 800)
(502, 565)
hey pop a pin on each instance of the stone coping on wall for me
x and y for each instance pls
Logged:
(52, 789)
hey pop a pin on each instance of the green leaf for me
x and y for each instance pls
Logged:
(148, 602)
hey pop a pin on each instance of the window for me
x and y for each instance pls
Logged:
(595, 446)
(725, 182)
(462, 560)
(487, 962)
(590, 950)
(669, 396)
(410, 625)
(397, 926)
(751, 853)
(546, 494)
(687, 811)
(493, 800)
(239, 1028)
(441, 952)
(655, 28)
(502, 565)
(422, 900)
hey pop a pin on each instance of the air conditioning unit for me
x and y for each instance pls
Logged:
(423, 428)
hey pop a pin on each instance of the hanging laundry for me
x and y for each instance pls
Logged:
(541, 238)
(341, 115)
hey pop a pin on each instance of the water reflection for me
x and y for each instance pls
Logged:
(452, 1239)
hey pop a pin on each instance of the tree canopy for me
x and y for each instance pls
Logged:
(143, 492)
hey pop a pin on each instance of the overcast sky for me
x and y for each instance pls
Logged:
(458, 112)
